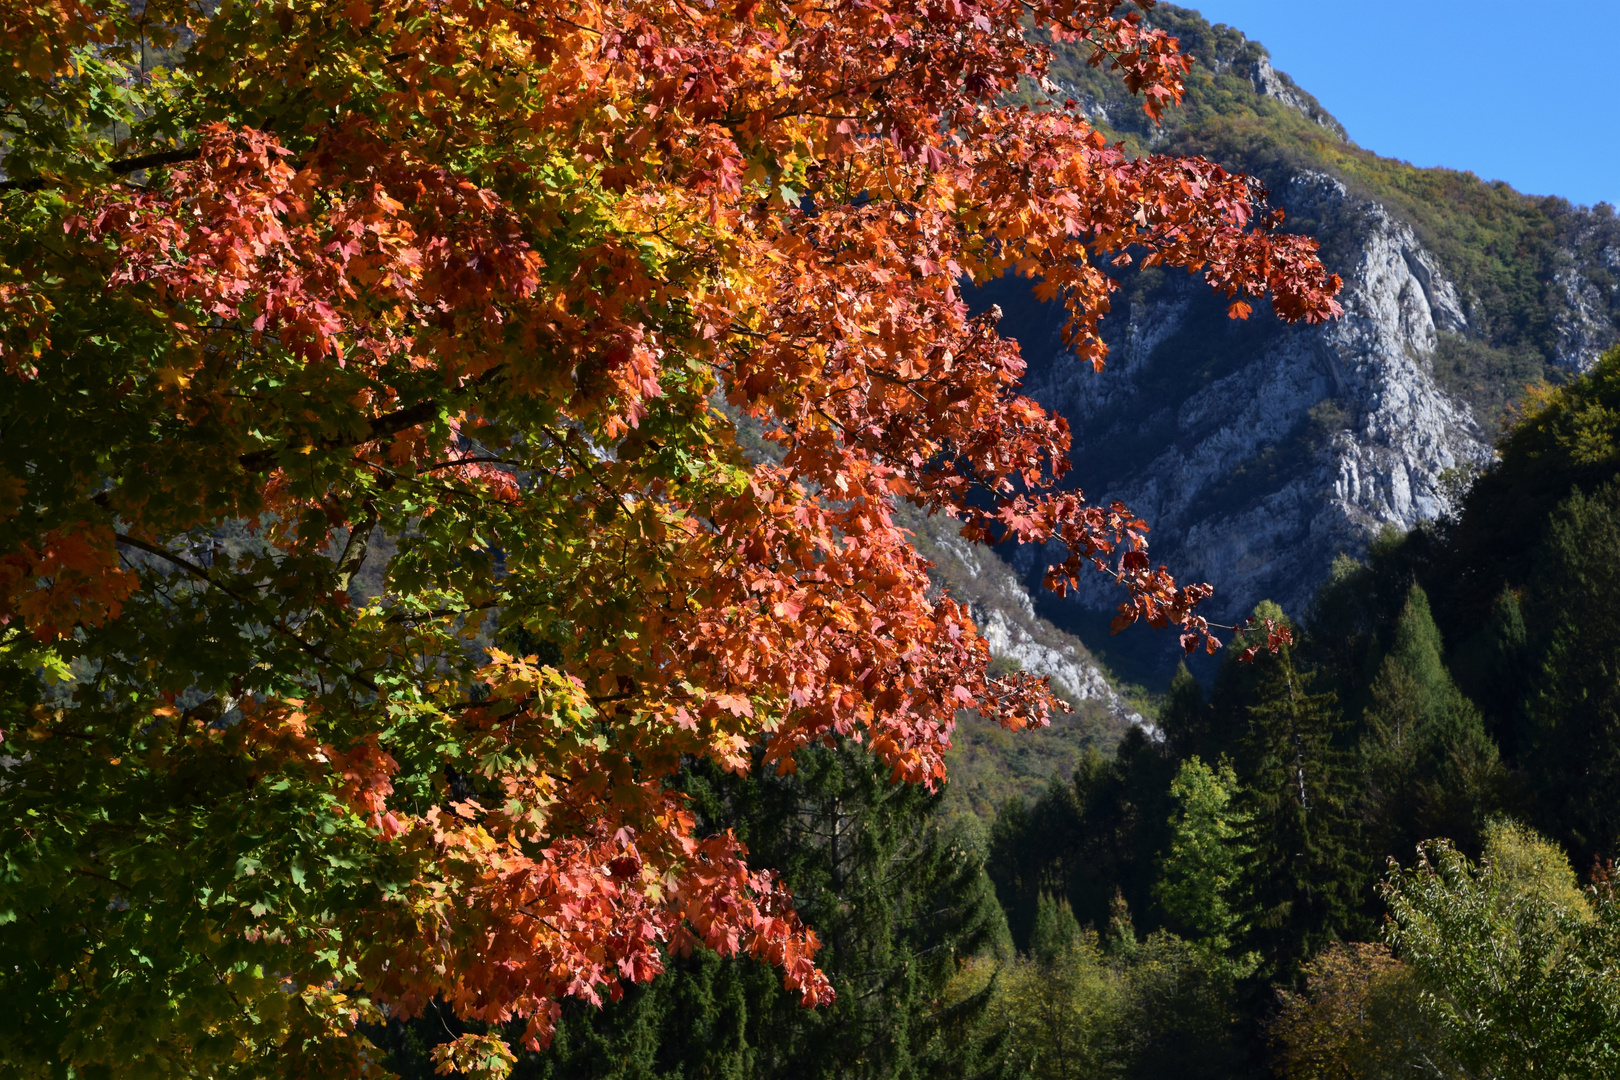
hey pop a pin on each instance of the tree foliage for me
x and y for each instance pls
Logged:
(341, 341)
(1078, 1004)
(1520, 583)
(1566, 438)
(899, 898)
(1503, 967)
(1301, 873)
(1571, 734)
(1198, 874)
(1062, 1004)
(1518, 964)
(1359, 1017)
(1430, 767)
(1086, 841)
(1488, 629)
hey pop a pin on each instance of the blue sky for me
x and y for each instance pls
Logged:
(1523, 92)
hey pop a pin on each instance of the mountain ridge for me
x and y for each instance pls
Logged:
(1261, 451)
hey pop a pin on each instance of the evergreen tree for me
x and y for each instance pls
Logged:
(1572, 751)
(899, 901)
(1493, 666)
(1063, 1004)
(1429, 768)
(1130, 1000)
(1034, 846)
(1056, 930)
(1088, 839)
(1350, 612)
(1302, 874)
(1199, 871)
(1077, 1005)
(1189, 724)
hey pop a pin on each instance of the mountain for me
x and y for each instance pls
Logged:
(1259, 451)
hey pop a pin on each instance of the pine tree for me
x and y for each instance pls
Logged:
(1429, 767)
(1190, 726)
(1509, 676)
(1088, 839)
(1492, 666)
(1302, 875)
(1034, 847)
(1573, 741)
(1056, 930)
(899, 900)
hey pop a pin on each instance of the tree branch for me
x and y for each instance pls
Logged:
(379, 428)
(116, 168)
(359, 542)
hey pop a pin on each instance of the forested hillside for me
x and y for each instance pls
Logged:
(1461, 677)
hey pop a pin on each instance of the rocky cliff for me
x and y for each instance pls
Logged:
(1259, 451)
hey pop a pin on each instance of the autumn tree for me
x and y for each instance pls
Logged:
(1359, 1017)
(899, 899)
(343, 342)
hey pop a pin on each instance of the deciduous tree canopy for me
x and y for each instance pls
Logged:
(374, 539)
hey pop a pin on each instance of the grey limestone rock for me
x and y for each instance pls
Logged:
(1271, 83)
(1583, 328)
(1004, 612)
(1331, 432)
